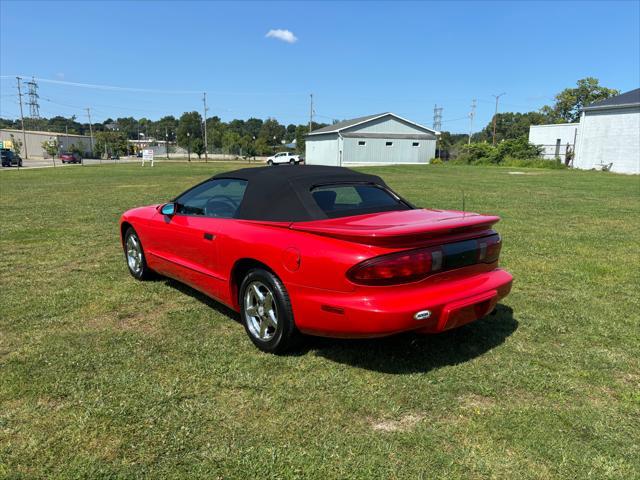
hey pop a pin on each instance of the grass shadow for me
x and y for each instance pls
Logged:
(398, 354)
(412, 353)
(208, 301)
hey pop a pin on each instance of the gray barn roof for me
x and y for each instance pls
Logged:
(337, 127)
(631, 98)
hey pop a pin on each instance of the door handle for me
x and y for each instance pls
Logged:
(209, 236)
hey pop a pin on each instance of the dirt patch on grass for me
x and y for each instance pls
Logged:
(476, 402)
(404, 424)
(143, 322)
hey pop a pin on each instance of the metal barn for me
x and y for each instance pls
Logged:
(384, 138)
(610, 134)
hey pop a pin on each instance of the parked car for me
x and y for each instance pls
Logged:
(70, 157)
(114, 156)
(320, 250)
(9, 158)
(284, 158)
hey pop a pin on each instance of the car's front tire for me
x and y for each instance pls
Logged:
(266, 313)
(134, 255)
(270, 162)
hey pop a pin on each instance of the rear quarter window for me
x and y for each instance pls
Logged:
(346, 200)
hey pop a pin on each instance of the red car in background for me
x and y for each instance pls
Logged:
(70, 158)
(322, 251)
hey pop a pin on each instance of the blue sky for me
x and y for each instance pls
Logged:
(357, 58)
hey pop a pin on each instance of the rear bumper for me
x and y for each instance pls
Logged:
(376, 312)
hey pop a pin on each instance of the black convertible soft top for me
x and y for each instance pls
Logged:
(283, 193)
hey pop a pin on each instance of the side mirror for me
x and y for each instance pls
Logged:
(168, 209)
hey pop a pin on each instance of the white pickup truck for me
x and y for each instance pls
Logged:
(284, 157)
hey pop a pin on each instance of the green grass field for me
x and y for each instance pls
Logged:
(102, 376)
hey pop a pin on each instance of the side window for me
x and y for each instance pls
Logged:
(218, 198)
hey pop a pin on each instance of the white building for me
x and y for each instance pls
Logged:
(610, 134)
(384, 138)
(554, 139)
(607, 137)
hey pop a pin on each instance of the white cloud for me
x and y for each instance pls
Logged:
(60, 76)
(281, 34)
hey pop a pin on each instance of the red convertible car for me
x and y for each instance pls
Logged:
(320, 250)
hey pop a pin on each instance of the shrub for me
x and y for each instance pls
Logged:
(533, 163)
(486, 154)
(517, 148)
(471, 154)
(436, 161)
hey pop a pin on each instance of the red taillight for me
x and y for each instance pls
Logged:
(414, 265)
(397, 268)
(489, 249)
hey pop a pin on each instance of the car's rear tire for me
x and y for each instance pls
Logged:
(134, 255)
(266, 313)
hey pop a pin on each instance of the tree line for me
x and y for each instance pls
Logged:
(262, 137)
(241, 137)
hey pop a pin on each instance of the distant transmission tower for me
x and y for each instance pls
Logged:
(34, 107)
(437, 118)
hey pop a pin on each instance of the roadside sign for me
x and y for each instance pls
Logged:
(147, 155)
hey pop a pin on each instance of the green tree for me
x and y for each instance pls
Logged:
(197, 146)
(17, 144)
(569, 102)
(189, 123)
(301, 131)
(510, 125)
(272, 132)
(110, 142)
(51, 147)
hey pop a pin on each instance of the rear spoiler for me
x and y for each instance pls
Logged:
(400, 234)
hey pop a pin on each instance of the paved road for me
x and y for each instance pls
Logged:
(48, 163)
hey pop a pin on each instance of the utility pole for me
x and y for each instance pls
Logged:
(311, 113)
(495, 116)
(204, 100)
(24, 135)
(437, 126)
(472, 114)
(166, 141)
(90, 129)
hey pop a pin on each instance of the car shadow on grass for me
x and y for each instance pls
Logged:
(208, 301)
(412, 353)
(399, 354)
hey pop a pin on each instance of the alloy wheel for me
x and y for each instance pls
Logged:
(134, 254)
(261, 312)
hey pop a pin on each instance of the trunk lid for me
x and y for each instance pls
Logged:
(401, 228)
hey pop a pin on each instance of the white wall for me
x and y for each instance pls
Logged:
(548, 136)
(610, 136)
(322, 150)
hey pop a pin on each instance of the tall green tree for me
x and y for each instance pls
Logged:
(272, 132)
(189, 123)
(510, 125)
(569, 102)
